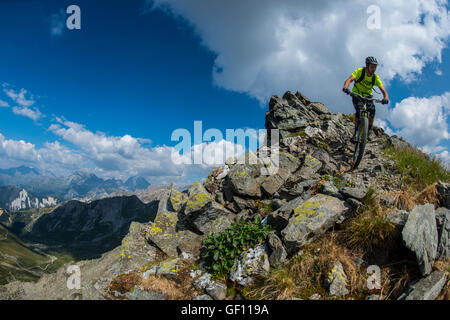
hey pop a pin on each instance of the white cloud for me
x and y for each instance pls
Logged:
(120, 157)
(266, 47)
(4, 103)
(32, 113)
(18, 150)
(19, 97)
(421, 121)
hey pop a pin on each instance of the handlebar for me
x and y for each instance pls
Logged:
(364, 98)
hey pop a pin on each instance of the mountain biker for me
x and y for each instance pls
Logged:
(365, 79)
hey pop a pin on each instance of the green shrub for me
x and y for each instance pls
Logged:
(418, 170)
(221, 250)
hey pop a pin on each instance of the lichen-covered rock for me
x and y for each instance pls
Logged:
(337, 280)
(245, 177)
(251, 263)
(427, 288)
(312, 218)
(177, 199)
(278, 254)
(203, 281)
(211, 218)
(198, 197)
(310, 166)
(168, 269)
(274, 182)
(164, 234)
(420, 236)
(218, 291)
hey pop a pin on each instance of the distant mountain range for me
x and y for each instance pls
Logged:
(80, 184)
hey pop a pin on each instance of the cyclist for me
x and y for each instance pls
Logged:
(365, 79)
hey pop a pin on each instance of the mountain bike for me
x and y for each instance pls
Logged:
(362, 128)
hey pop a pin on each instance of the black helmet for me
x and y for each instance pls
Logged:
(371, 60)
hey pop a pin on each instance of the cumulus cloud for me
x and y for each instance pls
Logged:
(123, 156)
(266, 47)
(18, 150)
(4, 103)
(421, 121)
(32, 113)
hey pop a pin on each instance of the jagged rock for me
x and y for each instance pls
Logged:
(386, 199)
(312, 218)
(245, 177)
(443, 189)
(279, 219)
(278, 254)
(329, 188)
(398, 217)
(354, 193)
(177, 199)
(164, 234)
(274, 182)
(251, 263)
(443, 224)
(138, 294)
(198, 197)
(211, 219)
(288, 162)
(304, 100)
(337, 280)
(319, 108)
(217, 291)
(427, 288)
(310, 166)
(420, 236)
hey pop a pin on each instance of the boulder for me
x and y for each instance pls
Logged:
(398, 217)
(337, 281)
(420, 236)
(198, 197)
(177, 199)
(443, 222)
(354, 193)
(443, 189)
(251, 263)
(278, 254)
(243, 177)
(167, 269)
(310, 166)
(311, 219)
(319, 108)
(217, 291)
(427, 288)
(274, 182)
(211, 219)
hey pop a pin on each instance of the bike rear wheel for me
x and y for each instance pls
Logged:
(361, 143)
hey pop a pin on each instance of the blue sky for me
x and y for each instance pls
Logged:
(107, 98)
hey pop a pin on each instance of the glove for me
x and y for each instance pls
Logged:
(384, 101)
(346, 90)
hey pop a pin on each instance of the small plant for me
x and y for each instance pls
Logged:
(300, 133)
(221, 250)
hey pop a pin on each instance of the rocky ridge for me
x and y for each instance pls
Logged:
(311, 192)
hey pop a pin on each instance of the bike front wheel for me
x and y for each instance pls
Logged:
(361, 143)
